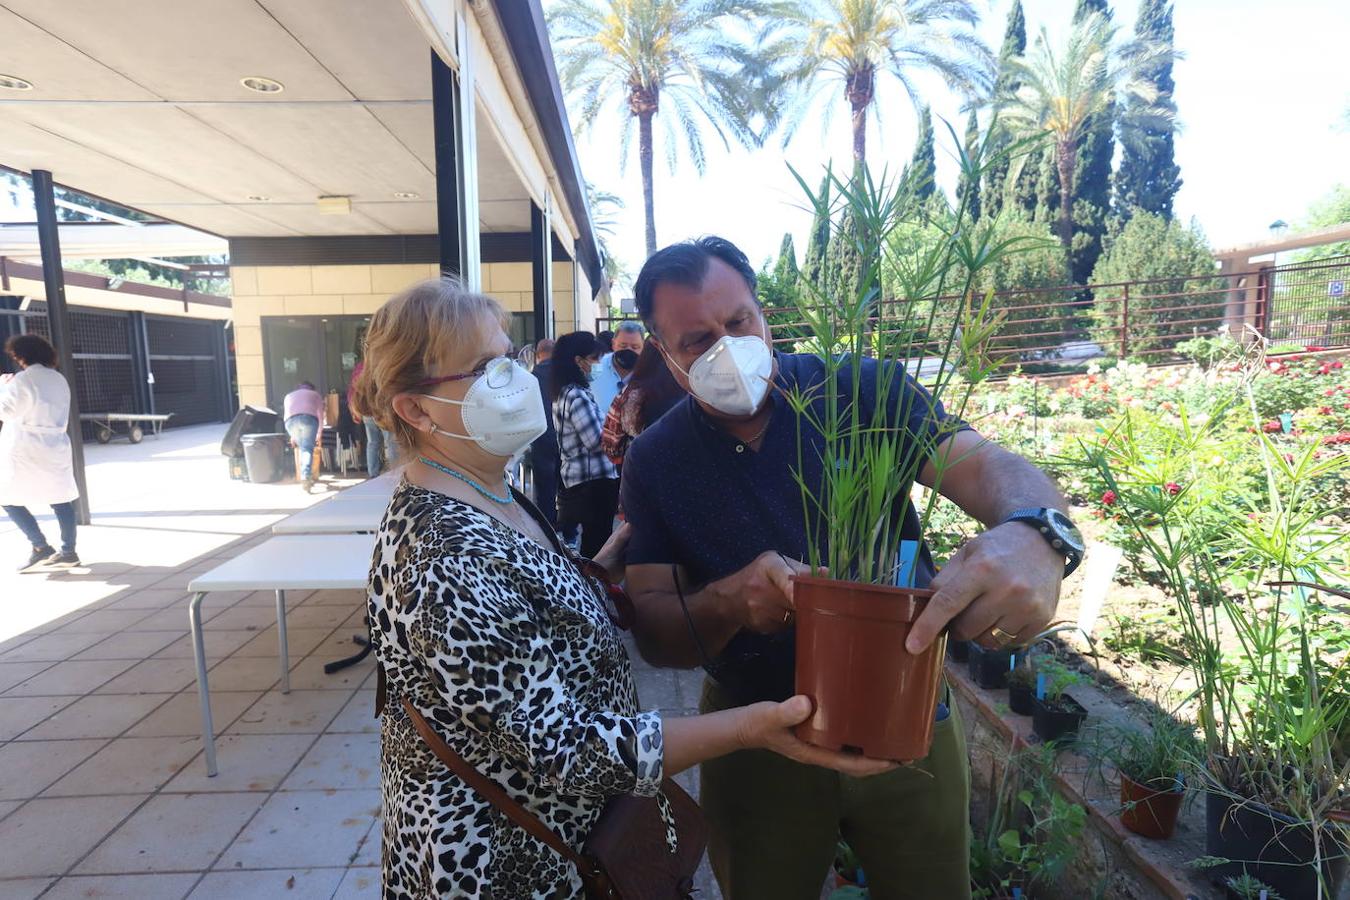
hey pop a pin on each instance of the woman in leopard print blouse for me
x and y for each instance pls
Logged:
(489, 630)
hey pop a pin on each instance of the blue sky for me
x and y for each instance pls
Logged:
(1263, 98)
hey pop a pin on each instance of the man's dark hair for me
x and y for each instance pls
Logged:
(686, 264)
(564, 361)
(31, 350)
(305, 384)
(605, 340)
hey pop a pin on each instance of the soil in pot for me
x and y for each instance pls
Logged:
(1150, 809)
(1271, 846)
(989, 668)
(871, 695)
(1020, 697)
(1058, 719)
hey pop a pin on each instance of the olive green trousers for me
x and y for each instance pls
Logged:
(774, 823)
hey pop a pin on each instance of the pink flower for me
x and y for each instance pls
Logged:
(1324, 410)
(1109, 498)
(1172, 488)
(1271, 427)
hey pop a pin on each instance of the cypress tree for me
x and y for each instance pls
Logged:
(843, 262)
(785, 269)
(1092, 175)
(968, 192)
(921, 174)
(995, 189)
(817, 248)
(1149, 177)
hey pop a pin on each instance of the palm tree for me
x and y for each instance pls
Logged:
(1061, 90)
(605, 208)
(631, 55)
(815, 44)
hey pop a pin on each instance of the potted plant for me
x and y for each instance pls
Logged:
(1245, 887)
(1055, 716)
(857, 461)
(989, 668)
(1031, 831)
(1273, 701)
(1022, 686)
(1151, 762)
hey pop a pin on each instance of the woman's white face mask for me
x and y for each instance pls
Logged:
(732, 376)
(503, 409)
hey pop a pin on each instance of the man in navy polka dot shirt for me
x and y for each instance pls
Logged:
(717, 532)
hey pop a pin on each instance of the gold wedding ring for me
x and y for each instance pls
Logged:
(787, 616)
(1000, 637)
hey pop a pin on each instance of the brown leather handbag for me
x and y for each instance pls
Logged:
(625, 856)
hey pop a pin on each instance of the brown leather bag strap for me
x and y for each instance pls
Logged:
(493, 793)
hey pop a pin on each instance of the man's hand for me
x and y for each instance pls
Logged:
(1007, 577)
(611, 555)
(759, 597)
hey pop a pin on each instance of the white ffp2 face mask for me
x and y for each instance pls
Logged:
(732, 376)
(503, 409)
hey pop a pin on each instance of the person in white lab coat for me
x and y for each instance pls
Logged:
(35, 454)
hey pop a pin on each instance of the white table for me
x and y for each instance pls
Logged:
(293, 562)
(381, 485)
(337, 515)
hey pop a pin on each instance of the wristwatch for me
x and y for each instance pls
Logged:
(1059, 532)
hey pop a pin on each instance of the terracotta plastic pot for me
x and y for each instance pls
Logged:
(871, 695)
(1150, 811)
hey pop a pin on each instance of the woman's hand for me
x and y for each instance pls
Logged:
(611, 556)
(768, 726)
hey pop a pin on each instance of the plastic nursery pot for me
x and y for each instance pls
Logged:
(1271, 847)
(1150, 809)
(1055, 720)
(989, 668)
(958, 650)
(1020, 697)
(871, 695)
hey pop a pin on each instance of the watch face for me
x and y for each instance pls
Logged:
(1065, 530)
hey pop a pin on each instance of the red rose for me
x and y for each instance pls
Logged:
(1109, 498)
(1338, 365)
(1324, 410)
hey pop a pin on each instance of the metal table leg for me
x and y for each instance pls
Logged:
(281, 639)
(203, 690)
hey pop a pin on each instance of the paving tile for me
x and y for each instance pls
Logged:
(135, 645)
(18, 714)
(304, 828)
(8, 806)
(181, 716)
(292, 884)
(357, 716)
(269, 598)
(239, 617)
(201, 826)
(299, 641)
(359, 884)
(70, 677)
(343, 761)
(219, 643)
(299, 712)
(27, 767)
(148, 598)
(23, 888)
(316, 616)
(369, 854)
(123, 887)
(245, 762)
(51, 647)
(47, 836)
(244, 673)
(658, 689)
(104, 621)
(172, 618)
(127, 766)
(12, 673)
(96, 716)
(338, 598)
(308, 674)
(153, 676)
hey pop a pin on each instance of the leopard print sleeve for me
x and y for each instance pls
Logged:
(497, 663)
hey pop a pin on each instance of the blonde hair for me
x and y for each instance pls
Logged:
(408, 339)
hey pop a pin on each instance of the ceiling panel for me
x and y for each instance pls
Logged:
(340, 149)
(512, 215)
(187, 49)
(413, 126)
(404, 217)
(343, 33)
(57, 70)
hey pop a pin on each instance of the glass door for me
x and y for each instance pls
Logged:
(292, 352)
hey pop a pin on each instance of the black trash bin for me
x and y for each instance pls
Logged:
(265, 456)
(249, 420)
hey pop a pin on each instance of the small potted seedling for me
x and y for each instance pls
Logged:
(1245, 887)
(989, 668)
(1021, 685)
(1151, 762)
(1055, 715)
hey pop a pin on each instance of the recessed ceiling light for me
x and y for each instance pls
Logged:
(15, 83)
(258, 198)
(406, 195)
(262, 85)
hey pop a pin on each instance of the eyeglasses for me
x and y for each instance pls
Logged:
(498, 372)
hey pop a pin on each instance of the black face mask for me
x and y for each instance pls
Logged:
(625, 359)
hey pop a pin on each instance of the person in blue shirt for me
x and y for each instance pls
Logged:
(717, 532)
(616, 367)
